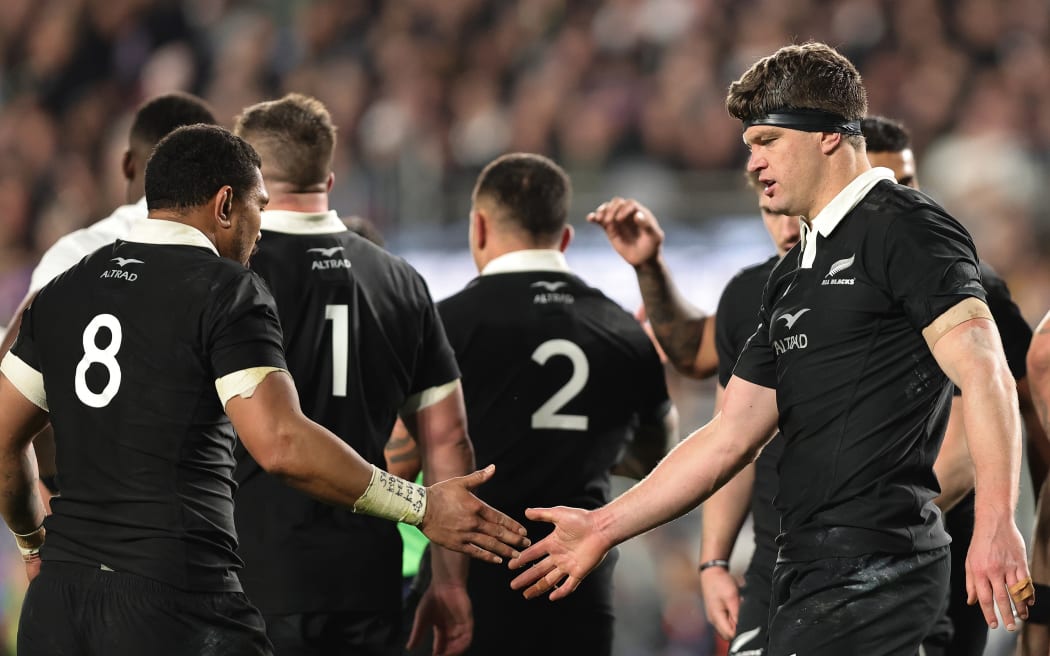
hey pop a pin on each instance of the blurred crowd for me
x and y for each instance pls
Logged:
(626, 94)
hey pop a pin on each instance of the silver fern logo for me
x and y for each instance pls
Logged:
(841, 265)
(838, 267)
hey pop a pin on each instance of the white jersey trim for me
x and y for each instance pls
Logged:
(829, 218)
(161, 232)
(303, 223)
(242, 383)
(540, 259)
(26, 379)
(72, 248)
(428, 397)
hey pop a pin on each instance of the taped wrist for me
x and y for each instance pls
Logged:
(1039, 612)
(393, 498)
(29, 543)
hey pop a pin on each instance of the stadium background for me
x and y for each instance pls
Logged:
(626, 94)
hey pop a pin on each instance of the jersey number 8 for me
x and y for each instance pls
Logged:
(105, 357)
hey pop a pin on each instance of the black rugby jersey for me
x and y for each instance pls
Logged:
(863, 404)
(734, 324)
(362, 339)
(130, 342)
(554, 377)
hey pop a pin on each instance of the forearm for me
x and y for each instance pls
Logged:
(674, 487)
(446, 452)
(677, 324)
(20, 502)
(310, 458)
(993, 439)
(723, 514)
(953, 467)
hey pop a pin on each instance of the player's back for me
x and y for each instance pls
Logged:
(555, 376)
(361, 337)
(130, 342)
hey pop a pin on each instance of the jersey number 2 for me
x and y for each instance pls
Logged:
(547, 415)
(105, 357)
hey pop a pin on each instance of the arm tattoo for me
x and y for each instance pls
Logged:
(678, 325)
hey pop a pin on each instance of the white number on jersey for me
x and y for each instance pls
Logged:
(547, 415)
(105, 357)
(340, 316)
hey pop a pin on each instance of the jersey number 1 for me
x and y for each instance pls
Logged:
(340, 318)
(105, 357)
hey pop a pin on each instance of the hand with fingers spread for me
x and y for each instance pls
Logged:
(997, 573)
(563, 558)
(458, 520)
(631, 229)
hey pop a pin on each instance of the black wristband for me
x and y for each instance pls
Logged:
(718, 562)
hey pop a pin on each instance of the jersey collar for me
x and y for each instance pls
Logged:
(541, 259)
(302, 223)
(170, 233)
(829, 218)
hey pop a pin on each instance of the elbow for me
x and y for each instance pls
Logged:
(276, 455)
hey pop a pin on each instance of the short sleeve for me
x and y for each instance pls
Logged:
(436, 361)
(757, 362)
(653, 399)
(931, 265)
(243, 330)
(735, 321)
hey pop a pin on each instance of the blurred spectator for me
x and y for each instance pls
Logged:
(624, 92)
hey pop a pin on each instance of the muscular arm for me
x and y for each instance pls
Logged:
(698, 466)
(44, 441)
(953, 467)
(446, 451)
(693, 470)
(402, 453)
(307, 456)
(971, 354)
(721, 519)
(686, 334)
(20, 502)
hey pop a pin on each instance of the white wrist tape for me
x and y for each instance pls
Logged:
(30, 543)
(394, 498)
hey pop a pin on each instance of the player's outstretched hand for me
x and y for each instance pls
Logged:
(563, 558)
(631, 229)
(458, 520)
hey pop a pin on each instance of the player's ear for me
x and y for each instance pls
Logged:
(331, 181)
(479, 225)
(829, 141)
(567, 234)
(127, 165)
(222, 206)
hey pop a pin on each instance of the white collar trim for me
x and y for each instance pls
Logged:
(170, 233)
(302, 223)
(831, 216)
(541, 259)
